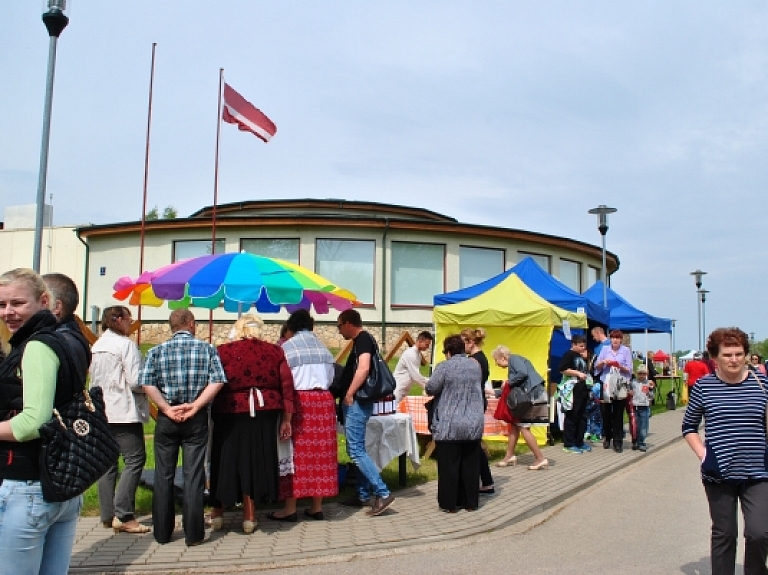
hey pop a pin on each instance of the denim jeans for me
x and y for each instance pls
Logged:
(642, 413)
(356, 416)
(35, 536)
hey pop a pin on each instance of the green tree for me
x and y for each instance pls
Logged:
(170, 213)
(152, 214)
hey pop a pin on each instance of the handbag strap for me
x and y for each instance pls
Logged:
(760, 383)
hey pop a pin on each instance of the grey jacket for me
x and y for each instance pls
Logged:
(459, 415)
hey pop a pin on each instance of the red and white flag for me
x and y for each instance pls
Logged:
(238, 110)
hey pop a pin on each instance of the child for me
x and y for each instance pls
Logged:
(642, 388)
(594, 417)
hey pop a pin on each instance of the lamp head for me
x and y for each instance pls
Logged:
(602, 212)
(697, 277)
(55, 19)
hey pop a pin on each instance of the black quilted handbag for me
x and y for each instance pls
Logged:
(77, 447)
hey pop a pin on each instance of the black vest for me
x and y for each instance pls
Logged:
(20, 460)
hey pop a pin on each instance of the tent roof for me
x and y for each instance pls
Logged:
(556, 292)
(625, 316)
(660, 356)
(509, 303)
(542, 283)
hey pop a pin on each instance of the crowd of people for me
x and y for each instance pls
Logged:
(274, 420)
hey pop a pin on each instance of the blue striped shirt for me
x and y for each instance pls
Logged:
(734, 427)
(181, 368)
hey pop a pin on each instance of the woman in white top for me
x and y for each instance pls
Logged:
(115, 368)
(315, 470)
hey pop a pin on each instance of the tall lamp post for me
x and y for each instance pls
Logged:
(703, 297)
(697, 278)
(602, 212)
(55, 21)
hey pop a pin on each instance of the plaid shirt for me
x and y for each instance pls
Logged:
(304, 348)
(181, 368)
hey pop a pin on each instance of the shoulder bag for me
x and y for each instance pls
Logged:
(380, 382)
(77, 444)
(77, 447)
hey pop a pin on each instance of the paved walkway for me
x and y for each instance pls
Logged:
(414, 518)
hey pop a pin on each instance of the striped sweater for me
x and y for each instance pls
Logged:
(734, 427)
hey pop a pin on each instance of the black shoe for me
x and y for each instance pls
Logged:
(381, 504)
(618, 447)
(354, 501)
(606, 443)
(292, 518)
(634, 447)
(487, 491)
(317, 515)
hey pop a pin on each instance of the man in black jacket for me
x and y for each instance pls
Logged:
(64, 301)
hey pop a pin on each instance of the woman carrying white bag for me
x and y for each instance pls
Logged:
(614, 366)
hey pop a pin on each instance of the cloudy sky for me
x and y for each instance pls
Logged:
(505, 113)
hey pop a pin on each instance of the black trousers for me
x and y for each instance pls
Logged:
(486, 479)
(458, 466)
(191, 437)
(576, 419)
(722, 498)
(613, 419)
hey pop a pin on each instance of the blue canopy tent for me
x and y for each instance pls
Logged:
(556, 292)
(625, 316)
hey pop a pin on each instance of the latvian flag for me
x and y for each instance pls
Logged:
(238, 110)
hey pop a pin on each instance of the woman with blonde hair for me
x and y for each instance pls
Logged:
(36, 536)
(517, 366)
(473, 342)
(248, 413)
(115, 369)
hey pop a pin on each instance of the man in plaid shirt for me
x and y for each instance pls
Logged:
(181, 376)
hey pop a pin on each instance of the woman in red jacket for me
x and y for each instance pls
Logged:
(258, 398)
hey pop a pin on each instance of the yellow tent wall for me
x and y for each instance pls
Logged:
(512, 315)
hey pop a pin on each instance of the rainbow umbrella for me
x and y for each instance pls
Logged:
(239, 280)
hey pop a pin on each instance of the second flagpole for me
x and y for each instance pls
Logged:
(215, 190)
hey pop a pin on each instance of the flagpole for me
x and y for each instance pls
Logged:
(215, 190)
(146, 181)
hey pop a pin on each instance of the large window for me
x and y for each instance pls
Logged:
(417, 273)
(593, 274)
(570, 274)
(185, 249)
(479, 264)
(349, 264)
(540, 259)
(284, 249)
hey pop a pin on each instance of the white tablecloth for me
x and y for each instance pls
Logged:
(388, 436)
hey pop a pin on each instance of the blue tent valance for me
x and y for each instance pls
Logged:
(625, 316)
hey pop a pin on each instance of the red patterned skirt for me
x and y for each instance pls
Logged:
(313, 429)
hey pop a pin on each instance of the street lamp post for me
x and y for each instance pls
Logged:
(602, 212)
(55, 21)
(697, 278)
(703, 296)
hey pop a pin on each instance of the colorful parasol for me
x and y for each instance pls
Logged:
(239, 280)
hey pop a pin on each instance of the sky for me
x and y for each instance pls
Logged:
(502, 113)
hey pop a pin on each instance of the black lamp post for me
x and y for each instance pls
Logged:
(55, 21)
(697, 278)
(703, 296)
(602, 212)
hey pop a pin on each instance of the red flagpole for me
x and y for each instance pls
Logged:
(215, 190)
(146, 180)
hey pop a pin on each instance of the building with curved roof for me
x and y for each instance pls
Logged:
(394, 258)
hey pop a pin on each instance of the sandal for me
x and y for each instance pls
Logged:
(120, 527)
